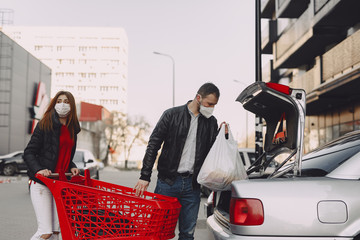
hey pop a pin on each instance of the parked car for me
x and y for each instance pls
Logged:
(12, 163)
(321, 203)
(311, 197)
(84, 159)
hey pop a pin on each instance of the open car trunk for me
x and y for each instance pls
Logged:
(283, 110)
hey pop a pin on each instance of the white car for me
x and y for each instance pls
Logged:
(84, 159)
(322, 203)
(312, 197)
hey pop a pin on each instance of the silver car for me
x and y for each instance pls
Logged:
(312, 197)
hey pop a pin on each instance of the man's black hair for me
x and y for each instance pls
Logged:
(209, 88)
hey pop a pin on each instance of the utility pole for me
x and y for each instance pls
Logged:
(258, 70)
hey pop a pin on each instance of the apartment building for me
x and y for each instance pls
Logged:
(314, 45)
(90, 62)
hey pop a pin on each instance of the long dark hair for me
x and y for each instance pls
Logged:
(72, 121)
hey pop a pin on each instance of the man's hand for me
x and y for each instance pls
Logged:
(140, 187)
(226, 129)
(44, 172)
(75, 171)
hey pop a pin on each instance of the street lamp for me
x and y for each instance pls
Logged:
(173, 61)
(246, 122)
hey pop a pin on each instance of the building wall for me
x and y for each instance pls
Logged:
(341, 60)
(90, 62)
(317, 49)
(20, 74)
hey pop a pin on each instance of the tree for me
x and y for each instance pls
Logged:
(125, 132)
(135, 132)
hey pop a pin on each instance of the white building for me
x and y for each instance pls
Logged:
(90, 62)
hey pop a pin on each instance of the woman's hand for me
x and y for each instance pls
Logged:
(44, 172)
(75, 171)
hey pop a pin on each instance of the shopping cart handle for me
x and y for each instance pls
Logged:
(60, 176)
(56, 175)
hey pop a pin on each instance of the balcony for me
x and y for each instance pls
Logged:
(290, 8)
(267, 8)
(340, 77)
(268, 37)
(320, 26)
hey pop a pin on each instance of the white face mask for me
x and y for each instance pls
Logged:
(205, 111)
(63, 109)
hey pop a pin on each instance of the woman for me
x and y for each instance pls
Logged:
(51, 149)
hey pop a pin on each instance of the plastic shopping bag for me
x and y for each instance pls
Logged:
(223, 164)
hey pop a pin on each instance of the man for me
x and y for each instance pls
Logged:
(187, 133)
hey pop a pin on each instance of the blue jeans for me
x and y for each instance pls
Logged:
(189, 200)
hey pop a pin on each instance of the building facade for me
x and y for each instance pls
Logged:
(90, 62)
(314, 45)
(24, 94)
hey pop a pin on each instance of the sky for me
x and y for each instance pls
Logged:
(209, 40)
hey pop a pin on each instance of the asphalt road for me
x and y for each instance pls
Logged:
(17, 217)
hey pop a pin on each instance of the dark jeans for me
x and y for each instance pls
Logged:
(189, 200)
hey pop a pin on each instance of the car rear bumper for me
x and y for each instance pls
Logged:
(221, 233)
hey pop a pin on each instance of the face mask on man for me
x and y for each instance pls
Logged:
(63, 109)
(205, 111)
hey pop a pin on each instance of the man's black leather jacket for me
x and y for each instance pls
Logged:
(172, 130)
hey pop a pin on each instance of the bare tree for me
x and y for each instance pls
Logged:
(125, 132)
(135, 132)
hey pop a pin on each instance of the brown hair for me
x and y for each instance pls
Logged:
(72, 121)
(207, 89)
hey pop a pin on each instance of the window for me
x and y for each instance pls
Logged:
(69, 74)
(82, 49)
(59, 74)
(92, 75)
(81, 88)
(82, 75)
(325, 159)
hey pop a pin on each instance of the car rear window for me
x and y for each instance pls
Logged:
(327, 158)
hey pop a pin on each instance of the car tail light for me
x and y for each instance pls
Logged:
(246, 211)
(279, 87)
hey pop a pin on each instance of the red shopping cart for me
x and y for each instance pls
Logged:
(91, 209)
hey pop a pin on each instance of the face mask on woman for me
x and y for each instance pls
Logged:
(63, 109)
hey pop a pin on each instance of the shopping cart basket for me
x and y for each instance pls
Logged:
(91, 209)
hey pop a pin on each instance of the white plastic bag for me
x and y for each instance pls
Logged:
(223, 164)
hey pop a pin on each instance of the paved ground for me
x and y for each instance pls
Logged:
(17, 218)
